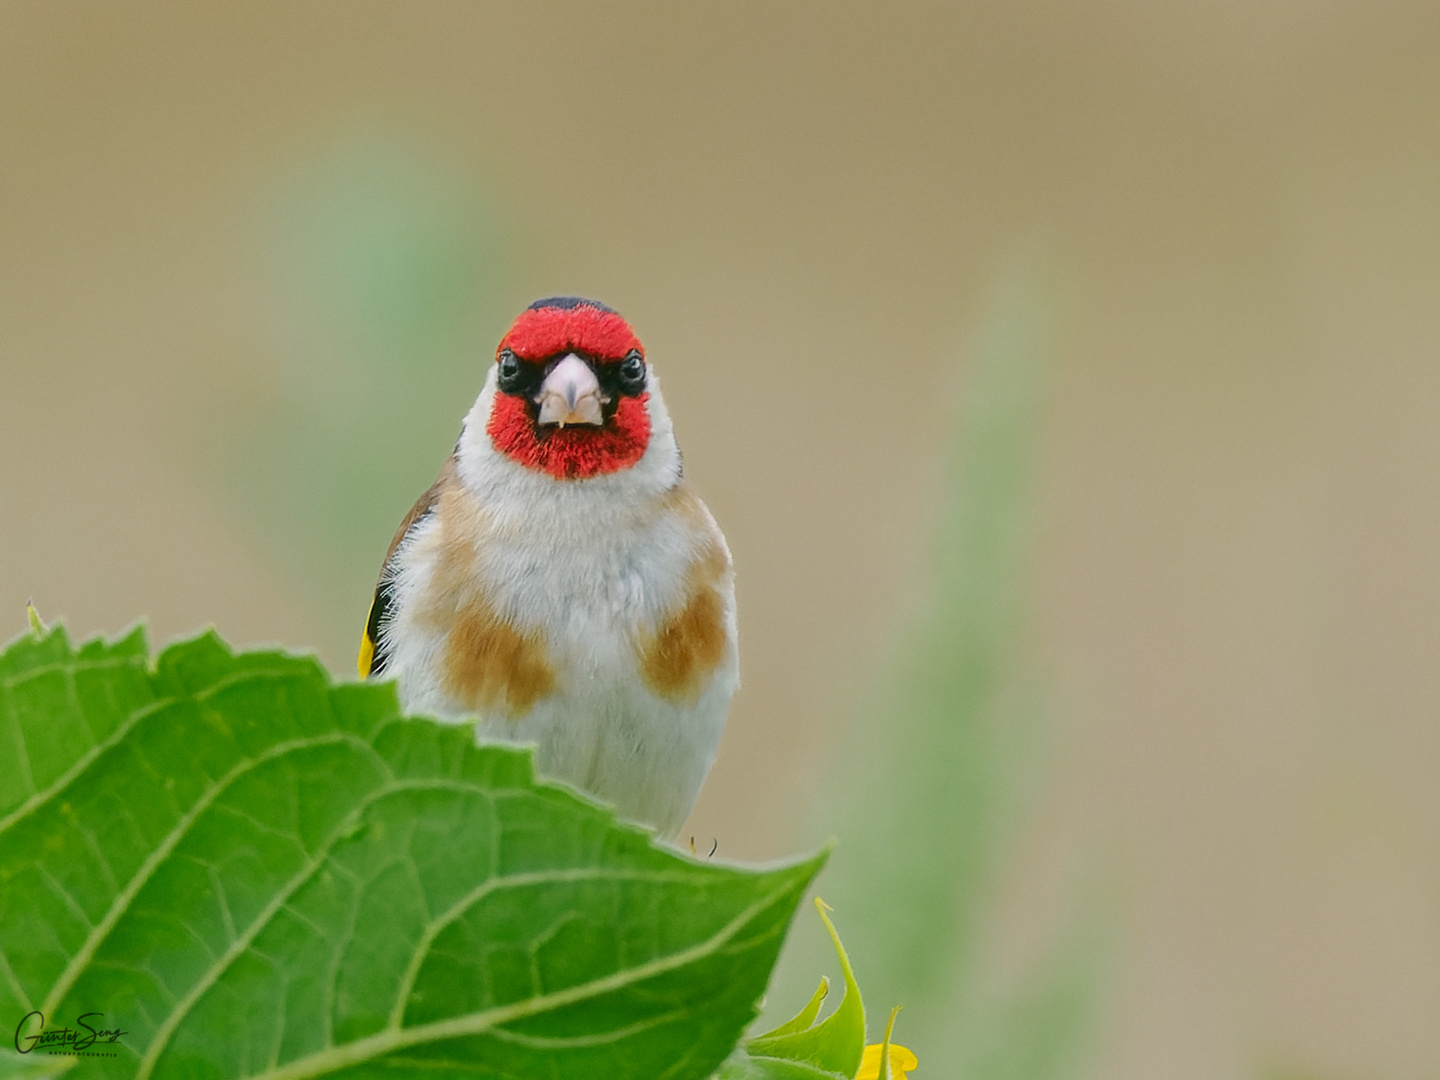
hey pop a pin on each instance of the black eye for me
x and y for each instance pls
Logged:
(632, 374)
(510, 375)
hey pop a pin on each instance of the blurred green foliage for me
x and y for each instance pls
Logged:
(936, 777)
(387, 270)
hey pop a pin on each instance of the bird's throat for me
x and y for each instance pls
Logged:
(573, 452)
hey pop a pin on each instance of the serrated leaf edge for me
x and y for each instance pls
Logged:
(99, 749)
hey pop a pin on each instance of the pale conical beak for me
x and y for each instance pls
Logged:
(570, 394)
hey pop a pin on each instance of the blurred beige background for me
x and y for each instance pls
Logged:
(799, 207)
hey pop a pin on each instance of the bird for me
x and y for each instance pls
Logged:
(561, 584)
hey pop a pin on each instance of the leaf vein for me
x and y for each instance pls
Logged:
(390, 1039)
(337, 956)
(58, 888)
(222, 898)
(23, 755)
(599, 1038)
(344, 828)
(147, 869)
(492, 884)
(40, 797)
(64, 666)
(15, 987)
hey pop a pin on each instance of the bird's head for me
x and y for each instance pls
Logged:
(571, 391)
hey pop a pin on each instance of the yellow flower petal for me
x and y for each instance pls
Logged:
(901, 1062)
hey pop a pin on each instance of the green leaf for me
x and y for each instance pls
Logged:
(885, 1044)
(742, 1065)
(17, 1066)
(806, 1016)
(837, 1044)
(252, 872)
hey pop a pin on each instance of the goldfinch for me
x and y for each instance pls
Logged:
(560, 583)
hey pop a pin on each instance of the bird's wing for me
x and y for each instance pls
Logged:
(374, 656)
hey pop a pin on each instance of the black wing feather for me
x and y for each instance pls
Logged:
(374, 649)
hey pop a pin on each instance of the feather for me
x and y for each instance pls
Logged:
(374, 650)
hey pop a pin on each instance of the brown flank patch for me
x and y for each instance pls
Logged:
(490, 666)
(680, 658)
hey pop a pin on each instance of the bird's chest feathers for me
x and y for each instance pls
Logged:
(581, 578)
(554, 597)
